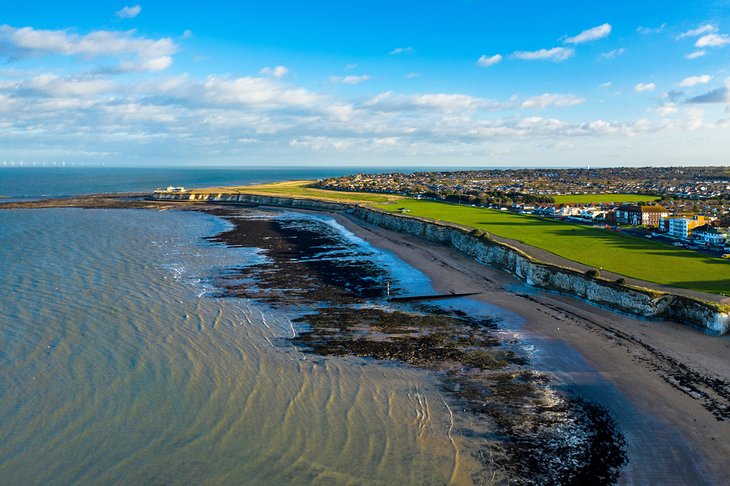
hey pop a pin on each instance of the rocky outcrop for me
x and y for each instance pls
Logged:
(710, 317)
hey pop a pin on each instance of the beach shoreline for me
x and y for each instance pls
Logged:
(675, 376)
(663, 368)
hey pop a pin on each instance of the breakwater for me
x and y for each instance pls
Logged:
(647, 303)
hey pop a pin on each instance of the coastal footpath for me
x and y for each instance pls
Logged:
(711, 317)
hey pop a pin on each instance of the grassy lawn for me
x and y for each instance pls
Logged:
(303, 189)
(603, 198)
(626, 255)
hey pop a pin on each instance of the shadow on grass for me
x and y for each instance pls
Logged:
(713, 286)
(616, 240)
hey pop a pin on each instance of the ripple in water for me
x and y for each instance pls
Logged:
(117, 367)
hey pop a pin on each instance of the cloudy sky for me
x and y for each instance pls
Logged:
(450, 83)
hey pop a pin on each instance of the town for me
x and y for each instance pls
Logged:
(686, 206)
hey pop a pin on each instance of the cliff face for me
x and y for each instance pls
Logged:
(252, 199)
(636, 301)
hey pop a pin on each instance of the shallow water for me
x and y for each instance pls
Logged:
(658, 452)
(118, 366)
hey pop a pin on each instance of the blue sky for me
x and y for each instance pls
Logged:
(457, 83)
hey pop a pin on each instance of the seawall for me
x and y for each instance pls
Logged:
(710, 317)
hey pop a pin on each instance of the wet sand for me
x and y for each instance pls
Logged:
(677, 378)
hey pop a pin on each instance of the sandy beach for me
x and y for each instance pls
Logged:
(677, 377)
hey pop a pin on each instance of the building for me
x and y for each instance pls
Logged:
(709, 235)
(566, 210)
(592, 213)
(641, 215)
(682, 227)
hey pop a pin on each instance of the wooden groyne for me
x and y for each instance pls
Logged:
(417, 298)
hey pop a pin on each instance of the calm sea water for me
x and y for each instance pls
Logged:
(19, 183)
(119, 367)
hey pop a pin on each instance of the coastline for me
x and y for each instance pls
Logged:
(654, 364)
(662, 367)
(704, 311)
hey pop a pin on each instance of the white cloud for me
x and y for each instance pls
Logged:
(704, 29)
(486, 61)
(136, 112)
(651, 30)
(146, 65)
(412, 75)
(605, 85)
(390, 101)
(453, 102)
(323, 143)
(667, 109)
(641, 87)
(713, 40)
(56, 86)
(556, 54)
(401, 50)
(613, 54)
(351, 79)
(695, 80)
(696, 54)
(277, 72)
(552, 99)
(149, 53)
(129, 12)
(589, 35)
(259, 93)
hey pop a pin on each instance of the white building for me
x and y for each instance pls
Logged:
(682, 227)
(592, 213)
(679, 228)
(567, 210)
(709, 235)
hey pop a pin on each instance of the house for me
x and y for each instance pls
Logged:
(641, 215)
(567, 210)
(682, 227)
(592, 213)
(709, 235)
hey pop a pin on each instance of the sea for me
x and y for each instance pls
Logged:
(120, 366)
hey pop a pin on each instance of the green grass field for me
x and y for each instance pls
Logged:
(603, 198)
(303, 189)
(626, 255)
